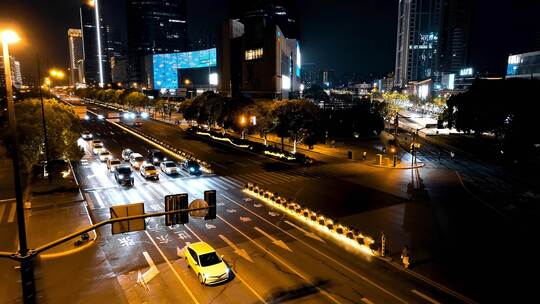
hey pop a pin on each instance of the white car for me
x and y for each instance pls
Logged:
(136, 160)
(105, 155)
(97, 148)
(86, 135)
(149, 171)
(112, 164)
(169, 167)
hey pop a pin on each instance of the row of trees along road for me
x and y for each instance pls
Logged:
(132, 99)
(63, 131)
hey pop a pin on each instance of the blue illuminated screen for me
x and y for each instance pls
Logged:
(166, 66)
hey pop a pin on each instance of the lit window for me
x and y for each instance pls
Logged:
(254, 54)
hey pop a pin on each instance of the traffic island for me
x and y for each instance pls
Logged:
(389, 163)
(350, 237)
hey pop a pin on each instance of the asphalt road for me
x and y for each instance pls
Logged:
(273, 260)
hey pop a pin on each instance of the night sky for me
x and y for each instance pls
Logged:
(346, 35)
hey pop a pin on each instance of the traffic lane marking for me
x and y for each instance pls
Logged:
(172, 268)
(281, 261)
(2, 208)
(11, 217)
(425, 297)
(235, 273)
(315, 250)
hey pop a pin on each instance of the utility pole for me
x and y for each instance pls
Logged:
(27, 269)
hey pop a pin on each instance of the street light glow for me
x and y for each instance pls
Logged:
(9, 36)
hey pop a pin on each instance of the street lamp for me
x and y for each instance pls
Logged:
(243, 124)
(27, 272)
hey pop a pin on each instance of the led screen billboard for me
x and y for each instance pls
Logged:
(166, 66)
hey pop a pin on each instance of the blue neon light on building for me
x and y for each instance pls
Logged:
(166, 66)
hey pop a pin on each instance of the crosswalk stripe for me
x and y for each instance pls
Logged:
(230, 183)
(2, 208)
(12, 213)
(99, 200)
(217, 184)
(234, 181)
(259, 177)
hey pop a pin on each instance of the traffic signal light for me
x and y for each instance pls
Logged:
(176, 202)
(210, 198)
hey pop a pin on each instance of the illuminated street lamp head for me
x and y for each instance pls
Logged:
(187, 81)
(91, 3)
(9, 36)
(242, 120)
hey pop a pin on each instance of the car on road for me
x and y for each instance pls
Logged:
(97, 141)
(86, 135)
(97, 148)
(123, 175)
(155, 156)
(208, 266)
(113, 163)
(126, 153)
(192, 167)
(136, 160)
(149, 171)
(169, 167)
(105, 155)
(137, 123)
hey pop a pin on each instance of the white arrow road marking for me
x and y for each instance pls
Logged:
(275, 241)
(241, 252)
(221, 204)
(366, 301)
(245, 219)
(247, 199)
(272, 213)
(307, 233)
(209, 226)
(180, 252)
(231, 210)
(257, 205)
(151, 273)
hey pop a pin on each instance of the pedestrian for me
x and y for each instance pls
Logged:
(384, 150)
(452, 154)
(364, 155)
(405, 256)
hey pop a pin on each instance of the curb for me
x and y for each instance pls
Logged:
(419, 165)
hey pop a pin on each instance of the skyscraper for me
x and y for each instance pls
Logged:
(76, 54)
(154, 27)
(417, 40)
(454, 35)
(96, 62)
(16, 76)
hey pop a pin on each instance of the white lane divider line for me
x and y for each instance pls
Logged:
(2, 208)
(275, 241)
(11, 217)
(425, 297)
(318, 251)
(366, 301)
(304, 277)
(172, 268)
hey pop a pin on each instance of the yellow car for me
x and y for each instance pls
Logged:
(207, 265)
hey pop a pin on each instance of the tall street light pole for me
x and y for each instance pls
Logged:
(45, 138)
(27, 271)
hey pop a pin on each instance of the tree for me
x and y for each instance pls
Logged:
(63, 131)
(316, 93)
(298, 119)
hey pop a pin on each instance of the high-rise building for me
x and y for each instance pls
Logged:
(453, 54)
(96, 61)
(76, 54)
(417, 40)
(154, 27)
(16, 76)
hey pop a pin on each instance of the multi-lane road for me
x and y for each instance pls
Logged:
(274, 259)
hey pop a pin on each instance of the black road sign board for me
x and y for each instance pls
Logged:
(128, 225)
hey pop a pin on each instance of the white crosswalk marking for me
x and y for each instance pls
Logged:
(2, 208)
(11, 217)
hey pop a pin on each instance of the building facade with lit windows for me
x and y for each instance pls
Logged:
(260, 63)
(16, 76)
(154, 27)
(526, 65)
(417, 40)
(76, 55)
